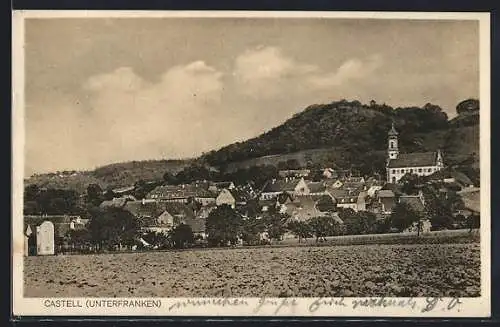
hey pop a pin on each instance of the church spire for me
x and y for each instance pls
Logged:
(392, 146)
(393, 130)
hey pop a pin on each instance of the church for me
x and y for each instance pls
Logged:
(419, 163)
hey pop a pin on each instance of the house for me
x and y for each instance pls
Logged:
(354, 179)
(114, 203)
(387, 199)
(361, 201)
(301, 208)
(293, 186)
(451, 176)
(399, 164)
(334, 183)
(317, 188)
(232, 197)
(373, 190)
(160, 217)
(416, 202)
(346, 199)
(472, 199)
(182, 194)
(294, 173)
(218, 186)
(329, 173)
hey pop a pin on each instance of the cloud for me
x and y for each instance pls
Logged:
(267, 72)
(131, 117)
(350, 70)
(263, 70)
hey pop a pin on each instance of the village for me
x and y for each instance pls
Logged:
(419, 194)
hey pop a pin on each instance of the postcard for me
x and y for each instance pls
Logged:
(238, 163)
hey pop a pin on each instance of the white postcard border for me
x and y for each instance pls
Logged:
(468, 307)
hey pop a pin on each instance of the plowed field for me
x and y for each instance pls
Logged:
(358, 270)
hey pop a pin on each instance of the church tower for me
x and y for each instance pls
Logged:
(392, 149)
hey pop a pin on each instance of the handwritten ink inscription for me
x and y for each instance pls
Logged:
(275, 306)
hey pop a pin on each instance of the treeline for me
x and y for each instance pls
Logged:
(51, 201)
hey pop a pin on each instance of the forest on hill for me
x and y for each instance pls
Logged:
(353, 133)
(342, 134)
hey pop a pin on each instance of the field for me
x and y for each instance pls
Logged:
(354, 270)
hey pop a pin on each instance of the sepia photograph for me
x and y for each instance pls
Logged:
(251, 158)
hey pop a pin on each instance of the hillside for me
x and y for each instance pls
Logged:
(350, 133)
(109, 176)
(343, 134)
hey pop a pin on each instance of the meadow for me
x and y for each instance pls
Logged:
(296, 271)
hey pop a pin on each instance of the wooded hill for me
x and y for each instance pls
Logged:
(343, 134)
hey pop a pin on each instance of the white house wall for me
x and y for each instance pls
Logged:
(420, 171)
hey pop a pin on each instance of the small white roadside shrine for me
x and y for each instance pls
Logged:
(45, 242)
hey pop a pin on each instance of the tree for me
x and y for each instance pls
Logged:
(31, 192)
(440, 207)
(324, 226)
(403, 216)
(251, 229)
(474, 221)
(169, 178)
(410, 183)
(326, 204)
(300, 228)
(113, 226)
(79, 238)
(223, 226)
(275, 222)
(94, 194)
(109, 194)
(367, 222)
(181, 236)
(156, 239)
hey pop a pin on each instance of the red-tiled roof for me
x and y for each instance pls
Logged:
(414, 160)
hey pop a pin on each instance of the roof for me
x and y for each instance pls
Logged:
(393, 131)
(223, 184)
(353, 186)
(115, 203)
(414, 201)
(281, 185)
(316, 187)
(385, 194)
(416, 159)
(240, 195)
(294, 172)
(196, 224)
(205, 211)
(153, 209)
(303, 209)
(180, 191)
(124, 189)
(347, 199)
(372, 181)
(472, 200)
(457, 175)
(144, 209)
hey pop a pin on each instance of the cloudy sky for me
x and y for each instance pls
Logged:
(107, 90)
